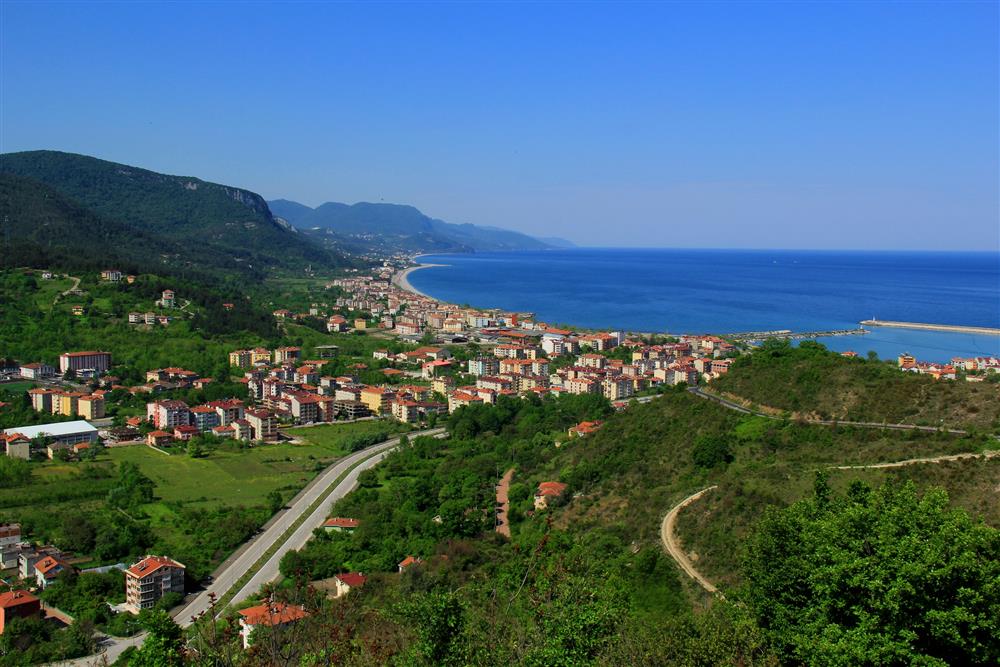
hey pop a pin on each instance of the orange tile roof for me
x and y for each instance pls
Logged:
(151, 564)
(275, 613)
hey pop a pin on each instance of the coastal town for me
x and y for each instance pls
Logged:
(436, 358)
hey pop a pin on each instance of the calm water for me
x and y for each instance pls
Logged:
(723, 291)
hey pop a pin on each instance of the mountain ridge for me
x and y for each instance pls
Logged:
(179, 223)
(404, 227)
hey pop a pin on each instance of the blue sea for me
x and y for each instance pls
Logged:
(727, 291)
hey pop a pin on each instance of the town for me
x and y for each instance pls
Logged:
(435, 358)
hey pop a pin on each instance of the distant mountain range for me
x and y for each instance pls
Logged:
(75, 211)
(400, 228)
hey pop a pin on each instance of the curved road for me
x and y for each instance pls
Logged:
(244, 560)
(668, 534)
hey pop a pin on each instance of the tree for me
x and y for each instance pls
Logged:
(163, 646)
(876, 577)
(275, 501)
(133, 488)
(79, 534)
(710, 451)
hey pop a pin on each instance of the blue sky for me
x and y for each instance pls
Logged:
(803, 125)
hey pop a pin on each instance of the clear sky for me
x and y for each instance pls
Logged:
(805, 125)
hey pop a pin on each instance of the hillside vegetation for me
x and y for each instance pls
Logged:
(586, 582)
(813, 382)
(67, 210)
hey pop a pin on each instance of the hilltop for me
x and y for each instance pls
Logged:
(813, 382)
(80, 211)
(398, 227)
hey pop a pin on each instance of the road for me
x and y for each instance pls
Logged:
(988, 454)
(668, 534)
(233, 570)
(229, 573)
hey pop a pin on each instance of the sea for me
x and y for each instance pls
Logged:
(729, 291)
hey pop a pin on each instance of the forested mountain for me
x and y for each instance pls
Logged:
(404, 228)
(67, 208)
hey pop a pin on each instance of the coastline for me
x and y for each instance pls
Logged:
(938, 343)
(401, 279)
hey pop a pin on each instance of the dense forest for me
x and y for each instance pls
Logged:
(68, 211)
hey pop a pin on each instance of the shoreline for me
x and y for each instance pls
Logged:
(401, 279)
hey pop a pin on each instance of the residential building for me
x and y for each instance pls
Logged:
(351, 409)
(339, 524)
(48, 569)
(407, 562)
(547, 492)
(168, 414)
(150, 579)
(111, 275)
(17, 604)
(159, 438)
(271, 614)
(283, 354)
(345, 582)
(205, 418)
(168, 299)
(378, 399)
(585, 428)
(90, 407)
(263, 423)
(484, 366)
(241, 358)
(37, 371)
(96, 361)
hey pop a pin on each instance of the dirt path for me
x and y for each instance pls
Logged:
(503, 525)
(76, 284)
(725, 402)
(989, 454)
(668, 534)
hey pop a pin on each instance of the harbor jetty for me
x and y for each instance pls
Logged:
(788, 334)
(988, 331)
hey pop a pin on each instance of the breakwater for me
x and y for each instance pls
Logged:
(989, 331)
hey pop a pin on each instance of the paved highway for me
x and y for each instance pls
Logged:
(233, 569)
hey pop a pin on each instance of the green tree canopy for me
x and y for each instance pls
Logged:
(881, 576)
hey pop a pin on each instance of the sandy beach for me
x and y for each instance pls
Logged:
(401, 279)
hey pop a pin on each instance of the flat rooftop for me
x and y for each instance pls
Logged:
(56, 430)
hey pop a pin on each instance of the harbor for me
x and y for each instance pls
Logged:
(954, 328)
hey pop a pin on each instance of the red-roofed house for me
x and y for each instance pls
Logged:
(585, 428)
(345, 582)
(47, 570)
(271, 614)
(17, 604)
(546, 492)
(339, 524)
(408, 561)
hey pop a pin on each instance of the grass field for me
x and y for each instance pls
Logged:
(244, 477)
(17, 387)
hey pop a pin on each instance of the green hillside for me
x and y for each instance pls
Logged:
(587, 582)
(166, 224)
(810, 381)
